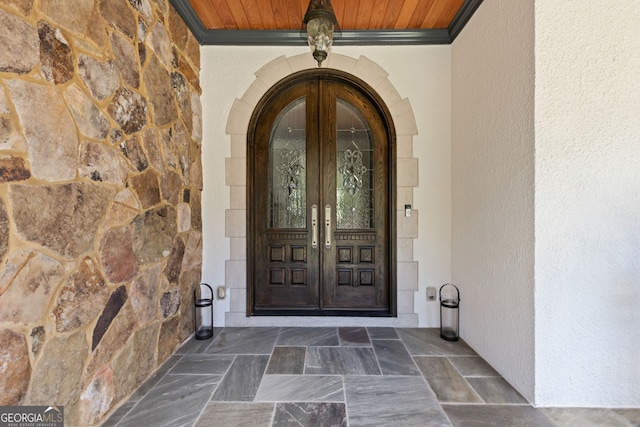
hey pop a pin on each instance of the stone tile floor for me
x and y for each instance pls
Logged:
(338, 377)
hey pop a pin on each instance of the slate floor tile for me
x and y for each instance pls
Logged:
(631, 414)
(193, 345)
(445, 380)
(341, 361)
(586, 417)
(300, 388)
(153, 379)
(495, 390)
(378, 333)
(310, 414)
(176, 400)
(119, 414)
(344, 377)
(496, 416)
(427, 342)
(241, 381)
(473, 366)
(392, 401)
(393, 358)
(236, 414)
(287, 360)
(308, 337)
(244, 341)
(202, 364)
(354, 336)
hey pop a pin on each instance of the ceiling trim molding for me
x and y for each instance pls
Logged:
(463, 16)
(390, 37)
(344, 38)
(190, 18)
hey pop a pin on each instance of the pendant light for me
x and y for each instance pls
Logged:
(321, 23)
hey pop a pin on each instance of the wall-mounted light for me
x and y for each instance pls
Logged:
(321, 23)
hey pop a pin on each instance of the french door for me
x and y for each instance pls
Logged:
(319, 202)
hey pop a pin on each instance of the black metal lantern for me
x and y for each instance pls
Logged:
(203, 311)
(449, 312)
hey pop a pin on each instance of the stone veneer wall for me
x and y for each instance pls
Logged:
(100, 183)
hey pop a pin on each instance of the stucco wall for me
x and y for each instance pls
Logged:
(418, 75)
(493, 187)
(587, 203)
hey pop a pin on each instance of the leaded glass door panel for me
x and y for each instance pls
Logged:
(319, 202)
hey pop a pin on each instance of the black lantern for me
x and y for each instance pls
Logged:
(203, 311)
(449, 313)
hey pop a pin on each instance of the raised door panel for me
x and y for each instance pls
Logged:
(355, 161)
(284, 177)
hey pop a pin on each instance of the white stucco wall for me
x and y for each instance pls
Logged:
(423, 75)
(420, 74)
(558, 318)
(493, 187)
(587, 203)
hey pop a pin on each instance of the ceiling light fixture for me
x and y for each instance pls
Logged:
(321, 23)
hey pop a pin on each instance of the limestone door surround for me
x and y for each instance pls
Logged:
(235, 176)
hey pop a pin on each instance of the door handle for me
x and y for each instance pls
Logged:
(327, 226)
(314, 226)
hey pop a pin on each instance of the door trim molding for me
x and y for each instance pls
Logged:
(273, 94)
(406, 268)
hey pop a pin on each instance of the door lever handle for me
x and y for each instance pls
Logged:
(327, 226)
(314, 226)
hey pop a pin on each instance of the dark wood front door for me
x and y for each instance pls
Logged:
(319, 200)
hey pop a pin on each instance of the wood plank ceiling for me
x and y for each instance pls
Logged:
(279, 22)
(351, 14)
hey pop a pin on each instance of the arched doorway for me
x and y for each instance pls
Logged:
(321, 217)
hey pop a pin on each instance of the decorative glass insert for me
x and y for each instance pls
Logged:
(287, 173)
(354, 189)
